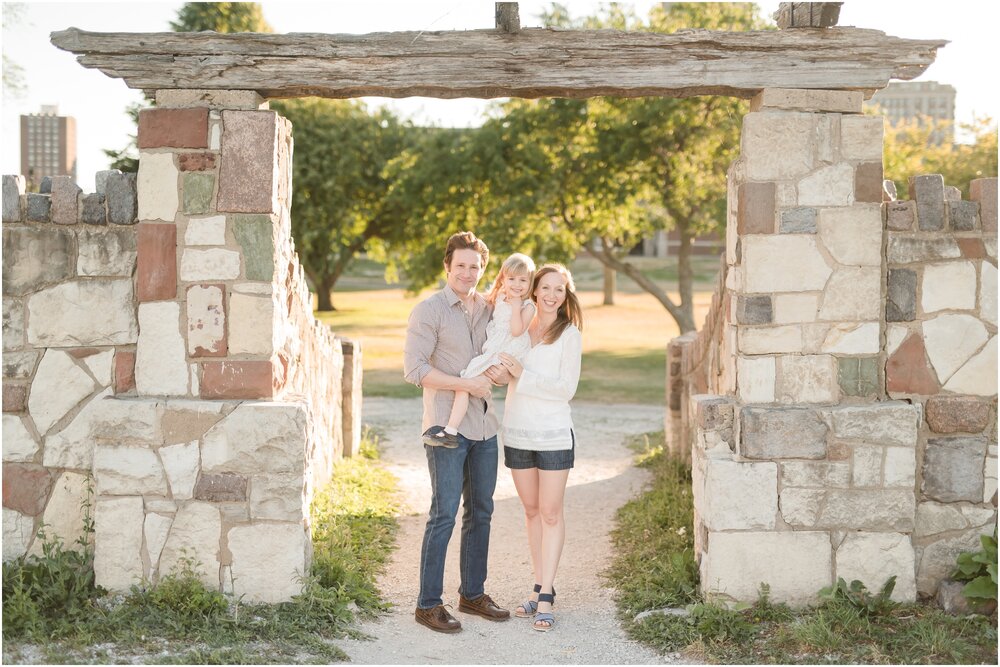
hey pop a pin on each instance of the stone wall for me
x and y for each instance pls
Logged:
(827, 452)
(169, 361)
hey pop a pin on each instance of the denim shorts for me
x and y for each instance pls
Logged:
(522, 459)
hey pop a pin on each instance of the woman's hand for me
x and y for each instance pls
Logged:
(512, 365)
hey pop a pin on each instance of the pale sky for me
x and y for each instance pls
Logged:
(98, 103)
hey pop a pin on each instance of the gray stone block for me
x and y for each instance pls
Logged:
(92, 211)
(13, 188)
(754, 310)
(45, 187)
(953, 469)
(899, 215)
(121, 197)
(34, 257)
(798, 221)
(65, 201)
(928, 192)
(782, 433)
(901, 302)
(964, 215)
(38, 207)
(107, 252)
(101, 180)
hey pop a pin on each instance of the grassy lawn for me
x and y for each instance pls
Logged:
(624, 345)
(658, 571)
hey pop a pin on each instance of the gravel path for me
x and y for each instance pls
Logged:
(586, 631)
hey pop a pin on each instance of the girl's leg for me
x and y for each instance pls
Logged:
(458, 410)
(551, 492)
(526, 483)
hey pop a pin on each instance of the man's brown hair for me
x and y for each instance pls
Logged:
(465, 241)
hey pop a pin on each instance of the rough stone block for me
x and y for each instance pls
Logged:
(908, 249)
(15, 397)
(35, 257)
(181, 464)
(853, 294)
(118, 542)
(874, 557)
(173, 128)
(953, 469)
(755, 211)
(900, 215)
(65, 201)
(984, 191)
(19, 365)
(853, 236)
(799, 220)
(852, 339)
(828, 186)
(155, 530)
(126, 471)
(936, 561)
(739, 496)
(268, 561)
(807, 379)
(26, 487)
(795, 565)
(157, 262)
(783, 263)
(755, 379)
(156, 187)
(775, 433)
(160, 362)
(778, 145)
(753, 309)
(890, 423)
(949, 286)
(861, 137)
(818, 474)
(198, 188)
(928, 192)
(209, 230)
(963, 215)
(59, 386)
(18, 530)
(988, 293)
(247, 182)
(951, 340)
(92, 210)
(866, 466)
(251, 325)
(868, 509)
(901, 298)
(122, 197)
(795, 308)
(254, 234)
(868, 182)
(13, 323)
(221, 487)
(195, 533)
(101, 180)
(770, 340)
(64, 512)
(206, 321)
(13, 188)
(978, 375)
(858, 376)
(255, 439)
(238, 379)
(124, 369)
(795, 99)
(188, 420)
(908, 372)
(210, 99)
(900, 467)
(38, 207)
(112, 252)
(278, 497)
(196, 161)
(210, 265)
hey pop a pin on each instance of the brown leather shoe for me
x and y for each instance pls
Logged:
(437, 619)
(484, 606)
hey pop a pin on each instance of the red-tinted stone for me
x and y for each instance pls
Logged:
(173, 128)
(957, 414)
(196, 161)
(907, 371)
(237, 379)
(984, 191)
(755, 211)
(221, 487)
(972, 248)
(900, 215)
(83, 352)
(26, 487)
(15, 397)
(247, 182)
(156, 264)
(868, 182)
(124, 371)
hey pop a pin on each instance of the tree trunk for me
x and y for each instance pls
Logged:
(609, 286)
(323, 296)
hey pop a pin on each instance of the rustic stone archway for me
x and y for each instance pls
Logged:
(221, 300)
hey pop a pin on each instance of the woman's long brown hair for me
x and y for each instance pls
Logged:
(569, 312)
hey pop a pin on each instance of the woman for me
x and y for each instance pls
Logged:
(538, 429)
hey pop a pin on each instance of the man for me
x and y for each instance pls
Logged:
(444, 333)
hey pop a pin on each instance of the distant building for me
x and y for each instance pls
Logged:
(910, 101)
(48, 145)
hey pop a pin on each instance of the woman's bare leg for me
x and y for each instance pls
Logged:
(526, 483)
(551, 492)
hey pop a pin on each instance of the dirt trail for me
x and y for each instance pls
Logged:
(586, 631)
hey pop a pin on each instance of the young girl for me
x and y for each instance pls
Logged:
(507, 332)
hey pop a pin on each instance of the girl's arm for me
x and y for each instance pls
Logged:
(518, 322)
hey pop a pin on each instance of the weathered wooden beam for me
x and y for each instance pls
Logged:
(807, 14)
(508, 17)
(535, 62)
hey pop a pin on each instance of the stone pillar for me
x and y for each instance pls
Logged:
(352, 384)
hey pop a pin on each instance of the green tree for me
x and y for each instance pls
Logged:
(194, 17)
(13, 73)
(340, 203)
(910, 151)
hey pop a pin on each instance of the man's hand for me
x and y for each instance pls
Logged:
(479, 386)
(498, 375)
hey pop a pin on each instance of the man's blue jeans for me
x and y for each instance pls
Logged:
(467, 472)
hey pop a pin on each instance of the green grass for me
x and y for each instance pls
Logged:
(51, 616)
(654, 569)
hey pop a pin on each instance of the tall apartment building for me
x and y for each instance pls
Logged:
(48, 145)
(911, 100)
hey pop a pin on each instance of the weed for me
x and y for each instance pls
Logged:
(856, 594)
(979, 568)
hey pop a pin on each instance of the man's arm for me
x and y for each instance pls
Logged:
(421, 339)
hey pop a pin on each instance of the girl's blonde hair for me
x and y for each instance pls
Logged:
(569, 312)
(516, 264)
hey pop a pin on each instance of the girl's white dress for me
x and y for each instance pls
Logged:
(498, 339)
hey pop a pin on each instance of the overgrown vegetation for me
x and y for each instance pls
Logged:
(53, 612)
(654, 570)
(979, 568)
